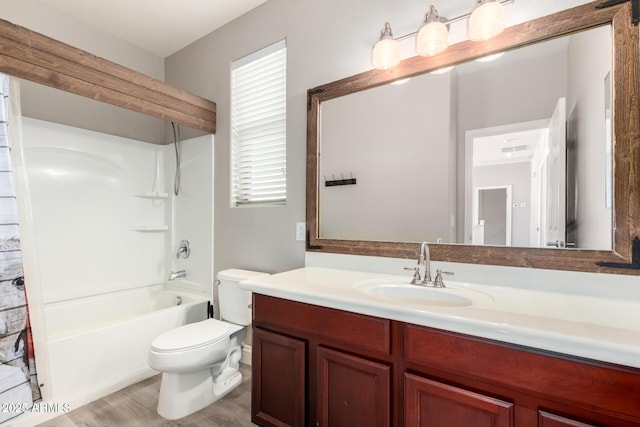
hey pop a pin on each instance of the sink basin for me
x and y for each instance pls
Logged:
(422, 295)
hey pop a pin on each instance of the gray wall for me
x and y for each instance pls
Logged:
(589, 64)
(397, 147)
(512, 92)
(57, 106)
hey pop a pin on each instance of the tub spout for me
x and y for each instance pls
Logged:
(177, 274)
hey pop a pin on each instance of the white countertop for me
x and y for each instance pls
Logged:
(598, 328)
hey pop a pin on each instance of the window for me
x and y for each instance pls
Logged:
(258, 127)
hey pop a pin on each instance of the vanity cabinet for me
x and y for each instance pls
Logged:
(317, 366)
(545, 389)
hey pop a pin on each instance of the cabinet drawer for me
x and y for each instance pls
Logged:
(432, 403)
(588, 384)
(353, 330)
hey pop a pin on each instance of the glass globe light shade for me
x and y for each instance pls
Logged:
(432, 38)
(386, 52)
(487, 20)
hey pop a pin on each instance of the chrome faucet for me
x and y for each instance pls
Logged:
(177, 275)
(424, 260)
(425, 256)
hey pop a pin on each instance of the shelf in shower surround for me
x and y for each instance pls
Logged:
(151, 228)
(152, 195)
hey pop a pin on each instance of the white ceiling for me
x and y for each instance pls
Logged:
(514, 147)
(161, 27)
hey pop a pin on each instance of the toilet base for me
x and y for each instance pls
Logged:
(183, 394)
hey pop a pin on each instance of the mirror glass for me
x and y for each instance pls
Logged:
(510, 152)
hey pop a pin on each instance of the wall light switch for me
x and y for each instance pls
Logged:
(301, 230)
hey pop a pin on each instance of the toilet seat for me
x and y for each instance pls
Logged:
(191, 336)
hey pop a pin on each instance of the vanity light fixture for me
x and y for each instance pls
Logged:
(485, 21)
(433, 35)
(386, 52)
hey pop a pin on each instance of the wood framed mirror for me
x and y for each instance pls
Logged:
(620, 254)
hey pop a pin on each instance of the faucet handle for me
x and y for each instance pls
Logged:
(438, 282)
(184, 250)
(416, 274)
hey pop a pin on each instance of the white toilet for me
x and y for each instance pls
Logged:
(200, 361)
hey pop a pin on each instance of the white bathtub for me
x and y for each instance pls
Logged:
(100, 344)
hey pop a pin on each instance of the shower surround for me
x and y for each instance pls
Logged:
(104, 222)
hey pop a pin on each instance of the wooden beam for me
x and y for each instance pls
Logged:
(41, 59)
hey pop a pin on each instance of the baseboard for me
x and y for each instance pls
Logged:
(246, 355)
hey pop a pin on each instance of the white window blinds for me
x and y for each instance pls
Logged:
(258, 122)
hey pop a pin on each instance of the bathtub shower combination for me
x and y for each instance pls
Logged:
(109, 348)
(104, 231)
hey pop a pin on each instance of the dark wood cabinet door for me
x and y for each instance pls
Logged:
(352, 391)
(546, 419)
(278, 380)
(431, 403)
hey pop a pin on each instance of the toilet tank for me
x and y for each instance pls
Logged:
(234, 302)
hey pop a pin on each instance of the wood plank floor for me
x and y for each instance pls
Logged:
(135, 406)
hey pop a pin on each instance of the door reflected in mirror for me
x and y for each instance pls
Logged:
(492, 216)
(430, 155)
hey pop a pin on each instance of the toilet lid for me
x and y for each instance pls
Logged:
(191, 336)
